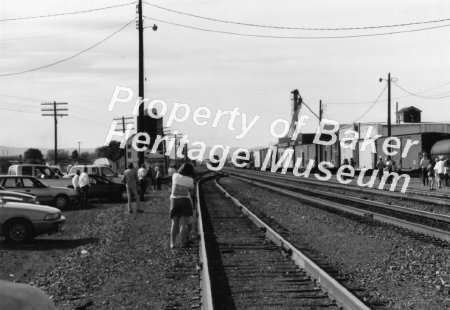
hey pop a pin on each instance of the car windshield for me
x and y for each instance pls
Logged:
(44, 172)
(108, 172)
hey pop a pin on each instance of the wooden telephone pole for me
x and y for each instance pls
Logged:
(55, 112)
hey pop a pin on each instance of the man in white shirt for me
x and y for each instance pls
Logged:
(84, 186)
(439, 172)
(76, 184)
(142, 177)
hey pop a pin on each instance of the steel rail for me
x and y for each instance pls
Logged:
(412, 195)
(400, 209)
(333, 288)
(417, 228)
(205, 279)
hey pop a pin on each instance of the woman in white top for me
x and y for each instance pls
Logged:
(181, 204)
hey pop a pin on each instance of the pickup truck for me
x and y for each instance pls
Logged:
(52, 177)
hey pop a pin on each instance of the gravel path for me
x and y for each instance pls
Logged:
(107, 259)
(392, 267)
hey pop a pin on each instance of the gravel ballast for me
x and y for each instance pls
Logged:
(393, 268)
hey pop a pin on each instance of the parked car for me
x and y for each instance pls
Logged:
(103, 171)
(102, 188)
(21, 222)
(60, 197)
(37, 171)
(16, 196)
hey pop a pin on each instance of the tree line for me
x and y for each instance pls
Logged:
(111, 151)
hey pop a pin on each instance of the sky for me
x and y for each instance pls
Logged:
(254, 71)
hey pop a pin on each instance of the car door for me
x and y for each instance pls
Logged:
(100, 186)
(13, 184)
(36, 187)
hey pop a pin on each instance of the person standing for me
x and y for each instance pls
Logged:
(84, 187)
(388, 169)
(181, 204)
(447, 173)
(380, 167)
(76, 185)
(439, 171)
(170, 173)
(130, 179)
(158, 177)
(142, 176)
(430, 173)
(424, 162)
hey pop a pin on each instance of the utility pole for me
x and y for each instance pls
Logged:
(124, 123)
(55, 113)
(320, 121)
(389, 104)
(389, 108)
(318, 147)
(140, 118)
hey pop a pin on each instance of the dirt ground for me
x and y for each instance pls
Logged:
(109, 259)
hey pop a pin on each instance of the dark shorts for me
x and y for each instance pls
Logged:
(180, 207)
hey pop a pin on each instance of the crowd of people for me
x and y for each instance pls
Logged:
(435, 172)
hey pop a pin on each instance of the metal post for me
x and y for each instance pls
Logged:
(56, 132)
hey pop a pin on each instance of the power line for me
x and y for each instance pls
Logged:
(417, 94)
(395, 98)
(371, 106)
(60, 34)
(297, 28)
(71, 57)
(310, 110)
(296, 37)
(66, 13)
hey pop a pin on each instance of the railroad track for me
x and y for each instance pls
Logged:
(247, 265)
(432, 225)
(411, 194)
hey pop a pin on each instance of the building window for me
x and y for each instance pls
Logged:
(129, 154)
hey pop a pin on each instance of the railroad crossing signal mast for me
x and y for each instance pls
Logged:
(55, 112)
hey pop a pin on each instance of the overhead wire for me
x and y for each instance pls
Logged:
(306, 105)
(420, 96)
(394, 98)
(71, 57)
(294, 37)
(60, 34)
(65, 13)
(371, 106)
(297, 28)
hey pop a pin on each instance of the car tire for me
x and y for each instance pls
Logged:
(18, 231)
(61, 202)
